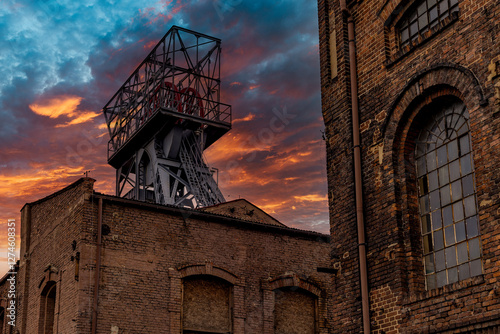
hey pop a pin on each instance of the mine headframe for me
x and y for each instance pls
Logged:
(162, 119)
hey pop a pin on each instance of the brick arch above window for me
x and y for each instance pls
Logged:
(445, 78)
(292, 280)
(208, 269)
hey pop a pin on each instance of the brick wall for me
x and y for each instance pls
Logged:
(147, 252)
(459, 58)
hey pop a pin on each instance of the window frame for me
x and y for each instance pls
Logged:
(441, 241)
(424, 19)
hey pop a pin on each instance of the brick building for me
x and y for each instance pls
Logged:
(93, 263)
(411, 104)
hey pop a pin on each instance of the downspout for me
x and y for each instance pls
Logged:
(358, 182)
(97, 267)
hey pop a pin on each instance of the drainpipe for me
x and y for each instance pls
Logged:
(97, 267)
(358, 183)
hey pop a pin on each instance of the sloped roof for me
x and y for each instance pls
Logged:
(243, 209)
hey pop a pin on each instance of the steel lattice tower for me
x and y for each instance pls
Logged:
(162, 119)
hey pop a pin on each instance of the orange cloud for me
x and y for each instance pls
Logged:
(57, 106)
(311, 198)
(65, 105)
(247, 118)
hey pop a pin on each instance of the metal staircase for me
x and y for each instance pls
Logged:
(199, 177)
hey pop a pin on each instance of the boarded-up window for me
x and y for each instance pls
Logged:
(2, 320)
(294, 311)
(206, 305)
(47, 309)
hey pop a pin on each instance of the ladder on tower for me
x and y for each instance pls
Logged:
(198, 174)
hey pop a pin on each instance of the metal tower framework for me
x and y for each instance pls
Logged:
(162, 119)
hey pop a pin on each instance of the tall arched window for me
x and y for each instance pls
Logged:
(446, 192)
(294, 311)
(47, 309)
(206, 305)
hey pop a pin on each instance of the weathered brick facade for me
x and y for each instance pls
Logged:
(150, 254)
(458, 57)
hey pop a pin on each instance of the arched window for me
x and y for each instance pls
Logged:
(47, 309)
(206, 306)
(446, 191)
(2, 320)
(294, 311)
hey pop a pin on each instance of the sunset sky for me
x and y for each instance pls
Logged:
(61, 61)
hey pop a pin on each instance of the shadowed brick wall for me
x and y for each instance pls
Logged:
(460, 57)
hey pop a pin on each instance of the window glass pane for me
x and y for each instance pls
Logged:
(445, 195)
(458, 211)
(413, 29)
(464, 145)
(426, 224)
(443, 6)
(431, 3)
(422, 185)
(454, 170)
(475, 268)
(441, 279)
(470, 206)
(427, 244)
(452, 275)
(431, 282)
(447, 216)
(413, 17)
(463, 271)
(443, 175)
(436, 220)
(431, 160)
(451, 257)
(433, 14)
(442, 156)
(421, 166)
(429, 264)
(462, 253)
(453, 3)
(456, 190)
(424, 204)
(474, 249)
(440, 262)
(433, 180)
(468, 185)
(422, 23)
(420, 149)
(460, 231)
(449, 235)
(422, 8)
(434, 200)
(438, 240)
(404, 35)
(466, 165)
(452, 150)
(464, 128)
(472, 229)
